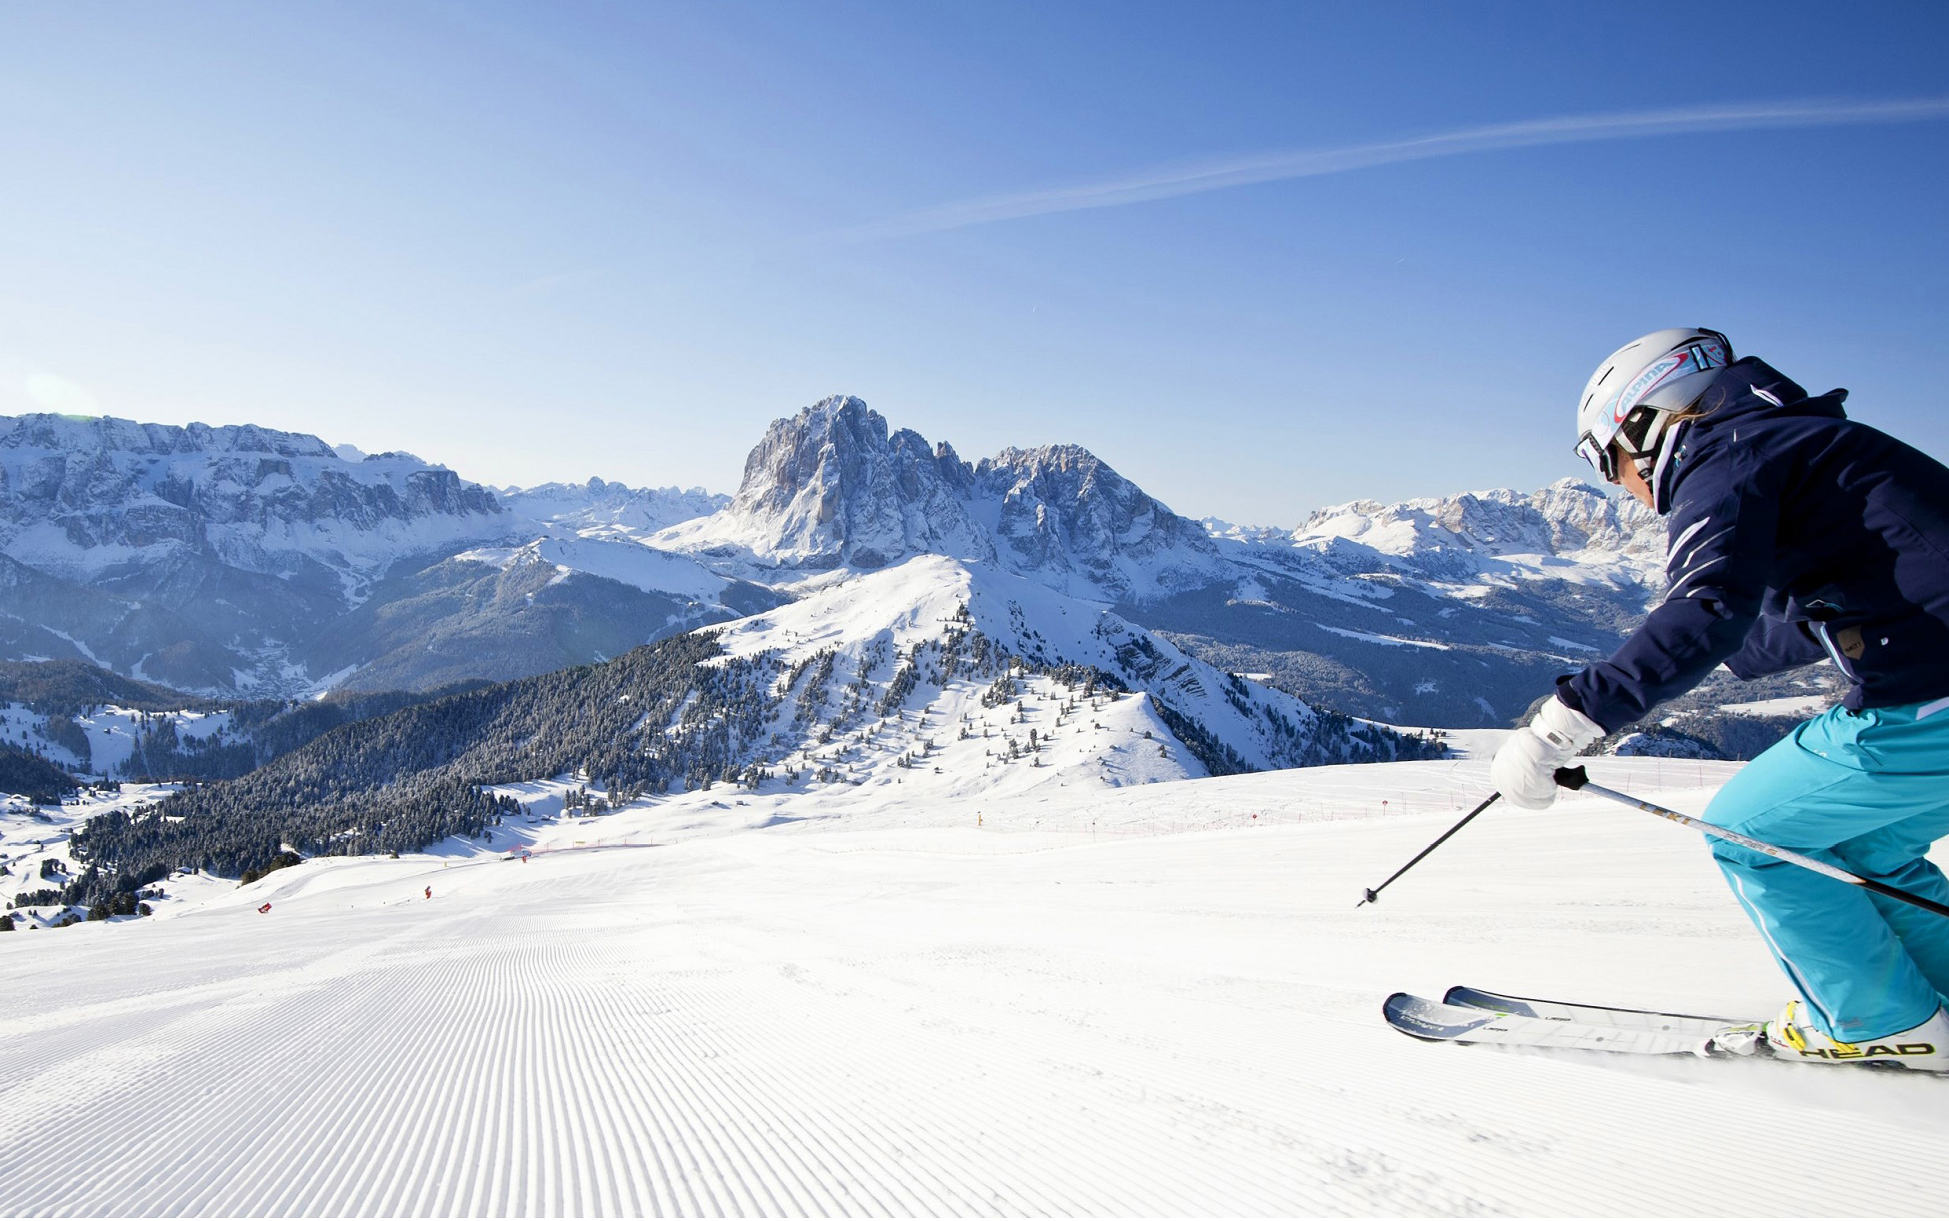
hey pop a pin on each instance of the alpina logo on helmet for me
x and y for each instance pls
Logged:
(1694, 358)
(1647, 381)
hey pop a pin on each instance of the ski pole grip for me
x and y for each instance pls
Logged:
(1572, 777)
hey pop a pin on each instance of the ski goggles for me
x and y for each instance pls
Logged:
(1600, 455)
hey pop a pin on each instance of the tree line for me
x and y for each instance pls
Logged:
(656, 718)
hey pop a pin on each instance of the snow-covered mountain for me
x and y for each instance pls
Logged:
(1453, 611)
(1449, 611)
(1568, 528)
(833, 487)
(244, 559)
(82, 497)
(984, 680)
(956, 640)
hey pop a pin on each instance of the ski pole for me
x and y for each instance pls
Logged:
(1374, 894)
(1576, 778)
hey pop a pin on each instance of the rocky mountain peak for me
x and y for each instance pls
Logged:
(1063, 509)
(831, 486)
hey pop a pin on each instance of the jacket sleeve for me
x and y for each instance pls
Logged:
(1723, 528)
(1775, 645)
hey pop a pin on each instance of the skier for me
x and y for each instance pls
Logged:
(1795, 533)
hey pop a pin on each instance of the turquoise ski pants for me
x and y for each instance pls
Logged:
(1868, 791)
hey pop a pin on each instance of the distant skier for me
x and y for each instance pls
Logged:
(429, 892)
(264, 910)
(1795, 533)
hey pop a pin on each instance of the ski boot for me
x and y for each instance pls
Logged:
(1794, 1036)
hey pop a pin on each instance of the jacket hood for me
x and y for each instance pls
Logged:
(1746, 390)
(1750, 388)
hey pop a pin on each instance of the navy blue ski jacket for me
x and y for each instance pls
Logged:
(1795, 533)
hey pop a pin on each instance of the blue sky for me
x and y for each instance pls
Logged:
(548, 241)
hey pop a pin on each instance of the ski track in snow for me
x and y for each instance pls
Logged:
(863, 1016)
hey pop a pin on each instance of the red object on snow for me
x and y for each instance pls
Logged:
(429, 892)
(263, 909)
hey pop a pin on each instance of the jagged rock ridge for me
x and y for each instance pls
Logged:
(832, 486)
(245, 559)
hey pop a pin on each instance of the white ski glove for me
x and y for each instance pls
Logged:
(1524, 771)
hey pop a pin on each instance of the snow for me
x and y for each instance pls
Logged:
(30, 835)
(629, 562)
(112, 733)
(1785, 706)
(79, 646)
(602, 509)
(1373, 638)
(884, 614)
(1078, 1001)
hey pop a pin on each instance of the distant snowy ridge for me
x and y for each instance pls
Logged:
(84, 495)
(79, 496)
(599, 506)
(1568, 530)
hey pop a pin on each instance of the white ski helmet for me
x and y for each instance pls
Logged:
(1636, 391)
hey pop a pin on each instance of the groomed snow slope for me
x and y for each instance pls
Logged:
(1134, 1001)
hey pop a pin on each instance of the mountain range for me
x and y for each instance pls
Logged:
(245, 561)
(242, 560)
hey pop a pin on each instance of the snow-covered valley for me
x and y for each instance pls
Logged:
(1157, 1000)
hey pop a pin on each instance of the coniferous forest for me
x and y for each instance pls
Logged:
(399, 782)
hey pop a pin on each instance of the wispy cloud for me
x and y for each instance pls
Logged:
(1191, 178)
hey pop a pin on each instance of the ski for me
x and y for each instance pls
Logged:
(1471, 1015)
(1593, 1015)
(1440, 1022)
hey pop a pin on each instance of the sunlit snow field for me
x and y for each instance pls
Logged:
(891, 1000)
